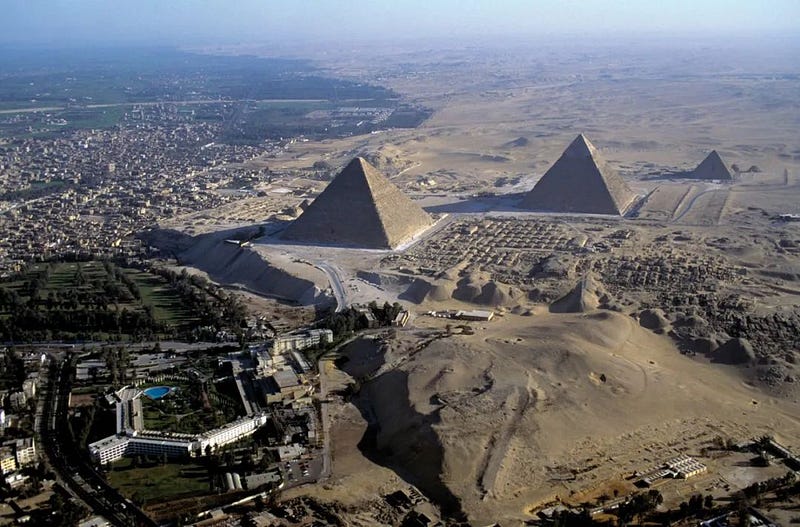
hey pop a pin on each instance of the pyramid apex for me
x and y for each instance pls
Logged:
(360, 168)
(716, 156)
(358, 161)
(580, 147)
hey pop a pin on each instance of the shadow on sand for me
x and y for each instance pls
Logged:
(228, 259)
(683, 175)
(400, 438)
(477, 204)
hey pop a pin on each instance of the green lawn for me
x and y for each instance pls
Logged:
(89, 287)
(84, 390)
(167, 306)
(155, 420)
(158, 482)
(179, 412)
(62, 275)
(294, 106)
(92, 117)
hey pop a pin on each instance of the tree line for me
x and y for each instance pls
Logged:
(110, 304)
(352, 319)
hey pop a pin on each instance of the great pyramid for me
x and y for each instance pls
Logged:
(580, 181)
(712, 167)
(359, 208)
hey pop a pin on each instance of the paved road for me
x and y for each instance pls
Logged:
(691, 204)
(325, 419)
(71, 466)
(335, 280)
(156, 103)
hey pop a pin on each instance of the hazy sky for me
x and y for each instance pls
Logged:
(188, 22)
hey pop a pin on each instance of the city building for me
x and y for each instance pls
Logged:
(151, 443)
(286, 380)
(682, 467)
(95, 521)
(401, 319)
(29, 385)
(301, 362)
(16, 480)
(8, 461)
(255, 481)
(685, 467)
(17, 400)
(284, 385)
(109, 449)
(232, 432)
(369, 317)
(161, 443)
(302, 340)
(89, 369)
(25, 451)
(475, 315)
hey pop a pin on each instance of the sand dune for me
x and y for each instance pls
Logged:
(474, 288)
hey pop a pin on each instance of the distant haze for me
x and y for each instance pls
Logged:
(193, 22)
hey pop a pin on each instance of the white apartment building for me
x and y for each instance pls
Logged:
(25, 450)
(302, 340)
(149, 443)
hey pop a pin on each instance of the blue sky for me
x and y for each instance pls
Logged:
(188, 22)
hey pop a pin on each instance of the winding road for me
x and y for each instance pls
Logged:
(337, 285)
(73, 471)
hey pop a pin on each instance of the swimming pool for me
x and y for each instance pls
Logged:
(157, 392)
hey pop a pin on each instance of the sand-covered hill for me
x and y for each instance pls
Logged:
(228, 263)
(472, 288)
(389, 159)
(487, 423)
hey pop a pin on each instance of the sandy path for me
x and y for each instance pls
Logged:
(518, 401)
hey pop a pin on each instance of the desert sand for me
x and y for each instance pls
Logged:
(532, 409)
(611, 346)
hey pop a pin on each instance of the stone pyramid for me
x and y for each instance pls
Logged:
(580, 181)
(712, 167)
(359, 208)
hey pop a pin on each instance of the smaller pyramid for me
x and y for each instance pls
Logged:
(585, 296)
(712, 167)
(359, 208)
(580, 181)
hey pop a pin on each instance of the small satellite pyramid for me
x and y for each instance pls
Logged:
(712, 167)
(359, 208)
(580, 181)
